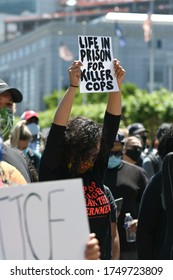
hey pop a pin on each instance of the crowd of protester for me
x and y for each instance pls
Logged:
(113, 163)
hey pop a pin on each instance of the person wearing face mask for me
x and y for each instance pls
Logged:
(20, 139)
(32, 121)
(138, 129)
(128, 181)
(12, 160)
(152, 162)
(132, 149)
(8, 97)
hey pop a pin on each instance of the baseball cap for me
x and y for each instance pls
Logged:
(136, 128)
(28, 115)
(15, 93)
(132, 141)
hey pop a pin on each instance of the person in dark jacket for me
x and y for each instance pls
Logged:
(155, 228)
(128, 181)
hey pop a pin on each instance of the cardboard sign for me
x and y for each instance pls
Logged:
(43, 221)
(97, 71)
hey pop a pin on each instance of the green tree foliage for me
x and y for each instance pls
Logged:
(151, 109)
(51, 100)
(129, 89)
(80, 98)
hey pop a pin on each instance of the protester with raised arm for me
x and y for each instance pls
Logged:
(80, 148)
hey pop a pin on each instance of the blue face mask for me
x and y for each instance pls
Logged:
(114, 161)
(25, 151)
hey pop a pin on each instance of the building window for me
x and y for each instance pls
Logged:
(33, 99)
(13, 79)
(2, 59)
(14, 55)
(42, 43)
(19, 79)
(158, 76)
(33, 47)
(27, 50)
(20, 53)
(8, 57)
(25, 87)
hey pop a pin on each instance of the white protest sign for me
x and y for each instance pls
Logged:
(43, 221)
(95, 52)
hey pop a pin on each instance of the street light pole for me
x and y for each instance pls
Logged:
(59, 70)
(151, 68)
(72, 4)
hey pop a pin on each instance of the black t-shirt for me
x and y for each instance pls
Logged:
(127, 181)
(97, 204)
(113, 219)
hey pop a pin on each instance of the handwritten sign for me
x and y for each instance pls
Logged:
(97, 71)
(43, 221)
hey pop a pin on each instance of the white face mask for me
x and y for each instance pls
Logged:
(34, 128)
(114, 161)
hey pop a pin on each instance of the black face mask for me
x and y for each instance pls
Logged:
(134, 154)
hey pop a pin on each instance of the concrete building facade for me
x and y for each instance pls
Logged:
(31, 62)
(16, 7)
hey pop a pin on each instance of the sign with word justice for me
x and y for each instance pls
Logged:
(95, 52)
(43, 221)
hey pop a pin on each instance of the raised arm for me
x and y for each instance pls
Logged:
(63, 111)
(114, 100)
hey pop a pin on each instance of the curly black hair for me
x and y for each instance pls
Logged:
(166, 142)
(82, 139)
